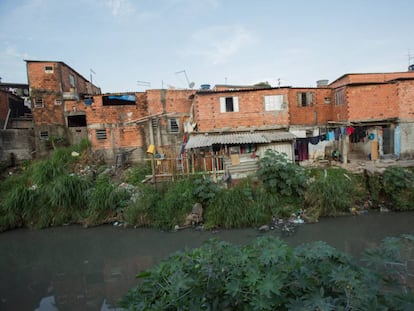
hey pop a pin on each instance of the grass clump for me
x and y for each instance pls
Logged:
(332, 192)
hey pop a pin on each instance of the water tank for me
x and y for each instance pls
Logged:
(411, 67)
(205, 86)
(322, 83)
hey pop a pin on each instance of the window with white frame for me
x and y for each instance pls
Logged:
(173, 126)
(229, 104)
(49, 69)
(273, 102)
(58, 102)
(38, 102)
(100, 134)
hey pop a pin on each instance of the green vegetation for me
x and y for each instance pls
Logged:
(331, 192)
(65, 189)
(399, 187)
(269, 275)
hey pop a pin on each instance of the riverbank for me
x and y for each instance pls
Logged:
(92, 269)
(67, 189)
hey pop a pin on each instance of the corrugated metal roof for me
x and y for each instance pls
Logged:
(279, 136)
(198, 141)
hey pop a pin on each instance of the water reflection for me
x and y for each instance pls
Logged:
(71, 268)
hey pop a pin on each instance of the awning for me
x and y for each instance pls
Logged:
(201, 140)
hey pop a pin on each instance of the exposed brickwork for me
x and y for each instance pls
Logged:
(118, 121)
(251, 112)
(4, 106)
(372, 102)
(363, 97)
(318, 113)
(405, 90)
(354, 78)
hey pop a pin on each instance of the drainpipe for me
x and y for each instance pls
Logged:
(7, 119)
(151, 132)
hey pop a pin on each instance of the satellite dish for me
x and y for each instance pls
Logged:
(191, 85)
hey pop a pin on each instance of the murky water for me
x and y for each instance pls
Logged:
(71, 268)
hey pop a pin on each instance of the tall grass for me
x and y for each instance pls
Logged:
(105, 199)
(235, 208)
(332, 192)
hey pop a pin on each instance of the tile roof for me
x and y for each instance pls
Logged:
(202, 140)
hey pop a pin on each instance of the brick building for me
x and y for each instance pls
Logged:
(52, 84)
(379, 109)
(225, 120)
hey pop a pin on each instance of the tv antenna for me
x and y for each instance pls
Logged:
(410, 57)
(144, 84)
(190, 84)
(90, 73)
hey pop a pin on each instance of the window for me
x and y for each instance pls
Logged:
(72, 80)
(339, 97)
(44, 135)
(154, 123)
(273, 102)
(48, 69)
(100, 134)
(304, 99)
(229, 104)
(77, 121)
(58, 102)
(38, 102)
(173, 126)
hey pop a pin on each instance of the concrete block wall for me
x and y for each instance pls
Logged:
(20, 142)
(407, 141)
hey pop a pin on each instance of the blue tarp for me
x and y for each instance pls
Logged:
(130, 98)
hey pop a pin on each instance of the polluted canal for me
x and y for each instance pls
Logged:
(71, 268)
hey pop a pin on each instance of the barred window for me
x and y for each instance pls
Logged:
(100, 134)
(173, 125)
(44, 135)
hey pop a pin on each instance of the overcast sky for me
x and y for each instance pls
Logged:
(160, 42)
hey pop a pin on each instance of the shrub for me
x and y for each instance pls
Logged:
(136, 174)
(281, 176)
(205, 190)
(398, 186)
(269, 275)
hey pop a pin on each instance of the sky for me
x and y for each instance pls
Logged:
(133, 45)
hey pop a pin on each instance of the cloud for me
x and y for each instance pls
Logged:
(121, 8)
(218, 44)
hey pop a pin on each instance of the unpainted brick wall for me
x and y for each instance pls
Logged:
(251, 110)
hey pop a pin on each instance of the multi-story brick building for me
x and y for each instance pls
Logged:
(226, 120)
(51, 85)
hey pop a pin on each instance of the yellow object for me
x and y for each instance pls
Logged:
(151, 149)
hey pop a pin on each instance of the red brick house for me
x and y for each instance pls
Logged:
(227, 125)
(52, 84)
